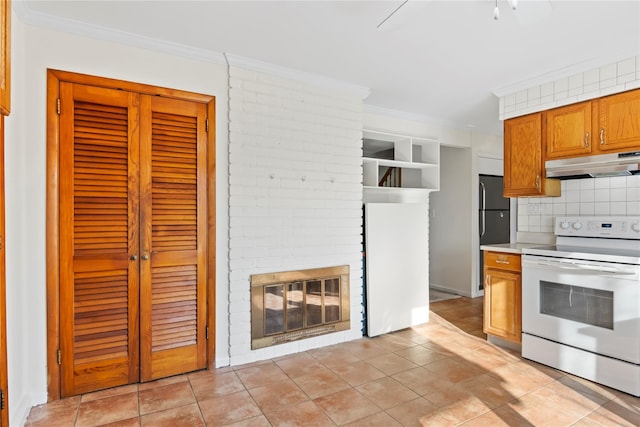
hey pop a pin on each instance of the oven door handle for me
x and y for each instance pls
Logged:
(579, 267)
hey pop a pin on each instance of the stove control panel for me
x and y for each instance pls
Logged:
(614, 227)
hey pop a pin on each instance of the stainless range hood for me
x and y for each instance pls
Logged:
(616, 164)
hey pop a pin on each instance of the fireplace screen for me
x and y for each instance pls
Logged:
(293, 305)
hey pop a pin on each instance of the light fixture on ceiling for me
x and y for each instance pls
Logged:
(496, 10)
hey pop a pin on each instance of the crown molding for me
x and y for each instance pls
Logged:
(571, 70)
(30, 17)
(301, 76)
(444, 124)
(397, 114)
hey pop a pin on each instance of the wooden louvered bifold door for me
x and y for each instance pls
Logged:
(133, 233)
(99, 343)
(172, 236)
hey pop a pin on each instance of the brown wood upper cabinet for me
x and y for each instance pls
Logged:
(618, 125)
(569, 131)
(605, 125)
(524, 173)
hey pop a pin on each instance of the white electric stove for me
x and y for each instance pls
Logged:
(581, 300)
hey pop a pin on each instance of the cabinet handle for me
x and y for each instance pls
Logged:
(602, 136)
(486, 281)
(502, 261)
(586, 140)
(145, 257)
(134, 257)
(537, 182)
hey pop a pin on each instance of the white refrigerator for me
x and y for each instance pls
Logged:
(397, 266)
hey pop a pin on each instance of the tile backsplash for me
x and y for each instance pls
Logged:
(581, 197)
(611, 78)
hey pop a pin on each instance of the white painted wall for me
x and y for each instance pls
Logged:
(451, 224)
(454, 229)
(34, 50)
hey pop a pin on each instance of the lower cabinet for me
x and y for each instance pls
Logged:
(503, 295)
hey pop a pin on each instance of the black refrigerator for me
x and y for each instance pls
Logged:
(493, 215)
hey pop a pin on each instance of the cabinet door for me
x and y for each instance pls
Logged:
(503, 304)
(523, 156)
(569, 131)
(619, 122)
(98, 224)
(172, 237)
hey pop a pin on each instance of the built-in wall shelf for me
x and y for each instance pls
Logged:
(395, 164)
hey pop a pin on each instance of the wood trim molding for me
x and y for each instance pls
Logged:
(5, 57)
(53, 238)
(211, 220)
(67, 76)
(54, 78)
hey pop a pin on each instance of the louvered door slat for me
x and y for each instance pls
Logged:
(175, 280)
(99, 284)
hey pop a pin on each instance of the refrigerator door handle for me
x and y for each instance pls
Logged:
(483, 198)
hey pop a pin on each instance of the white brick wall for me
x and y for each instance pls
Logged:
(594, 83)
(295, 193)
(589, 196)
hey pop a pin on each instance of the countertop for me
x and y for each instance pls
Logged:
(514, 248)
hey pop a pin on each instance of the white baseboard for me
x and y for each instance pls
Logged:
(450, 290)
(19, 409)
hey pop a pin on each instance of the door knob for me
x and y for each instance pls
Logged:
(145, 257)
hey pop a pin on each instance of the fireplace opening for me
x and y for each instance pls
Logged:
(293, 305)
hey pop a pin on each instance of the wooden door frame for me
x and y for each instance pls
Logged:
(5, 65)
(54, 77)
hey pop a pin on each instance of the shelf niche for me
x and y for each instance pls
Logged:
(417, 160)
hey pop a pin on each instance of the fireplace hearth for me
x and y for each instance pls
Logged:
(293, 305)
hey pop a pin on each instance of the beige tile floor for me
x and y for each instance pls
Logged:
(435, 374)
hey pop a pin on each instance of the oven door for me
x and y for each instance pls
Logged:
(594, 306)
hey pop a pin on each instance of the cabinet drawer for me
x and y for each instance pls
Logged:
(502, 260)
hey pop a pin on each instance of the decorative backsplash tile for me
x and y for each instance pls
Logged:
(583, 197)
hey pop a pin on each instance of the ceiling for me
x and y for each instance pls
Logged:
(440, 60)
